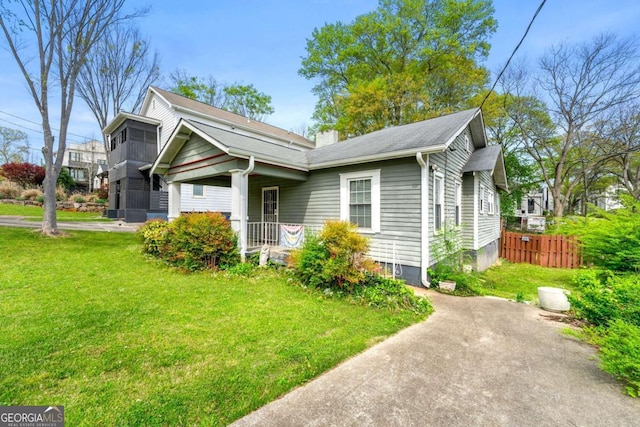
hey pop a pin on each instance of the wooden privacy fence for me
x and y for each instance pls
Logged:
(541, 249)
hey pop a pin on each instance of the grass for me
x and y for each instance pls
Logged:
(89, 323)
(521, 281)
(35, 213)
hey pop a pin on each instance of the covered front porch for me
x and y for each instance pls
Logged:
(205, 155)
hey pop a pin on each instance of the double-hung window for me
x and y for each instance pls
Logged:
(481, 199)
(360, 199)
(438, 201)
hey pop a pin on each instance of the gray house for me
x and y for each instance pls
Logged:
(409, 188)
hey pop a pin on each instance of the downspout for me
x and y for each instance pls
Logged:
(424, 218)
(244, 206)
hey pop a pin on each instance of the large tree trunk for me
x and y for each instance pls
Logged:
(49, 219)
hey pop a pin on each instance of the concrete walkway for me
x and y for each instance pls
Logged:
(474, 362)
(109, 226)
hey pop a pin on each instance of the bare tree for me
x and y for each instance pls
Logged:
(58, 35)
(116, 73)
(624, 131)
(583, 84)
(14, 146)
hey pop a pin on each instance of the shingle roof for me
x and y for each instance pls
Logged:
(252, 146)
(488, 159)
(239, 120)
(439, 131)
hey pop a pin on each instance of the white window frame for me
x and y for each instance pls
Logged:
(482, 205)
(345, 179)
(458, 207)
(439, 176)
(467, 142)
(193, 191)
(491, 202)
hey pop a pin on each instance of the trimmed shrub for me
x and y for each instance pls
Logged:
(336, 258)
(193, 241)
(26, 174)
(155, 237)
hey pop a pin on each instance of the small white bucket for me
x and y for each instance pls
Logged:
(553, 299)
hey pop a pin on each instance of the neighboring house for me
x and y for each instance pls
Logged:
(608, 199)
(408, 188)
(535, 204)
(84, 162)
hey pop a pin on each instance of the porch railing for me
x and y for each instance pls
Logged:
(278, 234)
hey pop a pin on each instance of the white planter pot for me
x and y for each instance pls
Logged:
(553, 299)
(447, 285)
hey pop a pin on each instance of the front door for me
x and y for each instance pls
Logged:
(270, 196)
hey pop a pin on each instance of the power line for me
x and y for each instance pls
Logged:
(39, 124)
(37, 130)
(514, 51)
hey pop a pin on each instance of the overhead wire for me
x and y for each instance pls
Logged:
(533, 18)
(39, 124)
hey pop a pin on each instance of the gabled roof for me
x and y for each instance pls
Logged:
(231, 143)
(489, 159)
(208, 112)
(400, 141)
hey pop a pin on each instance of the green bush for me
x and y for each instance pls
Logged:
(193, 241)
(620, 354)
(155, 237)
(334, 259)
(610, 239)
(383, 292)
(606, 297)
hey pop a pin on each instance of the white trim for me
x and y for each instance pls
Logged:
(490, 201)
(476, 213)
(425, 251)
(374, 176)
(482, 202)
(193, 191)
(457, 188)
(440, 176)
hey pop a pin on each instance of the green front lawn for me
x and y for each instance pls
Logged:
(87, 322)
(34, 213)
(508, 280)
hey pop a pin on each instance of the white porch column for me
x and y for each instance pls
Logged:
(238, 211)
(174, 200)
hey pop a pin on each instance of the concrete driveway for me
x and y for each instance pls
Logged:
(474, 362)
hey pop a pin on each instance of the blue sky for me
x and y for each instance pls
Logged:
(261, 42)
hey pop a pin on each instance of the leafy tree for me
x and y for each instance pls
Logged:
(522, 173)
(408, 60)
(25, 174)
(13, 145)
(116, 74)
(584, 84)
(244, 100)
(247, 101)
(59, 35)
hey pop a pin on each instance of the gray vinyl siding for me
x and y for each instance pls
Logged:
(469, 208)
(449, 164)
(488, 224)
(317, 199)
